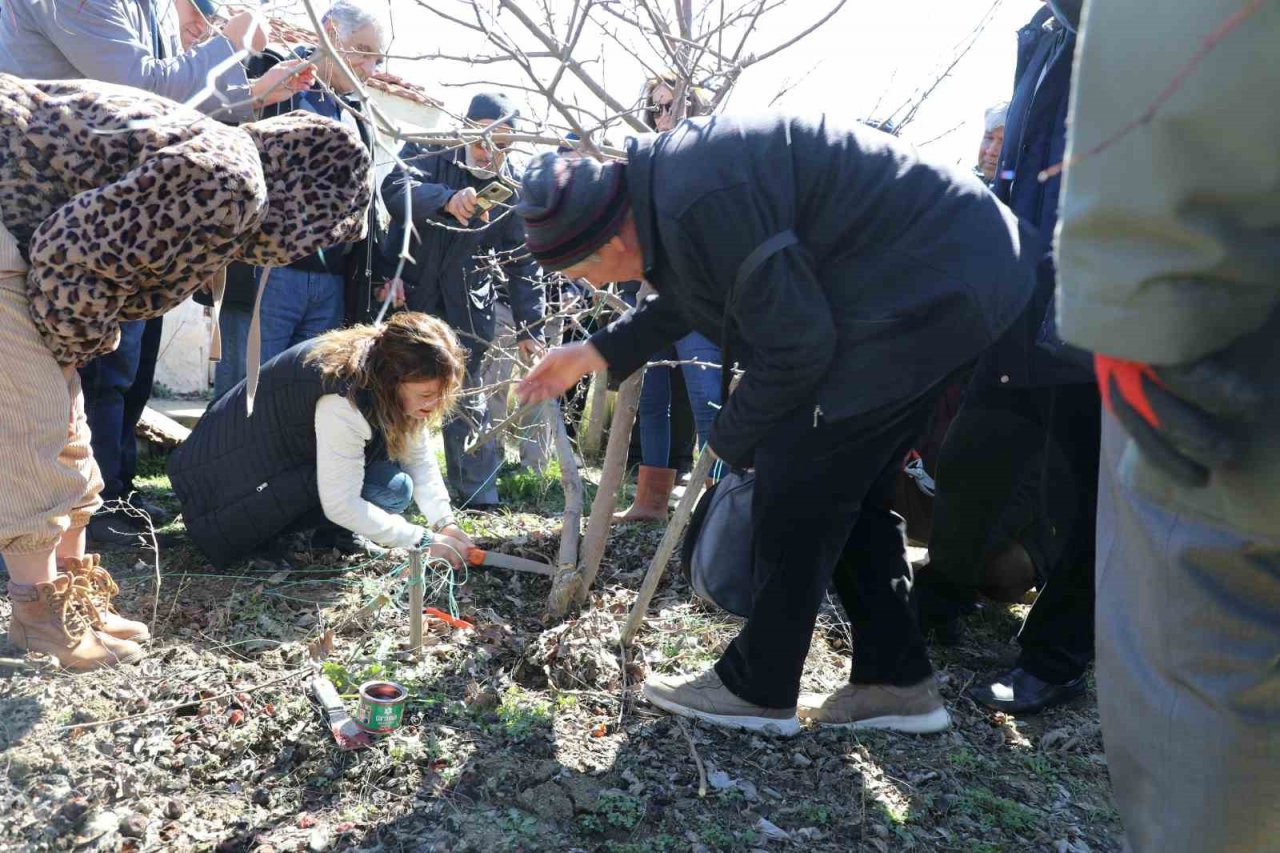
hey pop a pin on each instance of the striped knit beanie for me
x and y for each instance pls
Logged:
(571, 207)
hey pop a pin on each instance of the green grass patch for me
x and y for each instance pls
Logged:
(986, 807)
(521, 713)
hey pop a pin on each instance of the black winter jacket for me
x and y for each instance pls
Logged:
(843, 271)
(243, 480)
(457, 275)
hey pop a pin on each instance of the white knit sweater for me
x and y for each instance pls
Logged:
(341, 435)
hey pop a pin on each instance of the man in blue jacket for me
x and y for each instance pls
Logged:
(1030, 418)
(463, 257)
(841, 271)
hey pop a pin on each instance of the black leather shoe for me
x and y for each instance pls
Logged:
(159, 515)
(114, 529)
(1017, 691)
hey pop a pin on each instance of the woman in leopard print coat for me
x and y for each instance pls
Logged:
(116, 205)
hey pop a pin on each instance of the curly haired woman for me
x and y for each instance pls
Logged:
(337, 444)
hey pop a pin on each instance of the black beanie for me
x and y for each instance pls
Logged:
(491, 106)
(571, 207)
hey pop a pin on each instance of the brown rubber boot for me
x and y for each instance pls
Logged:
(653, 495)
(102, 589)
(54, 619)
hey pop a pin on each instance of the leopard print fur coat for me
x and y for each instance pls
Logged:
(124, 203)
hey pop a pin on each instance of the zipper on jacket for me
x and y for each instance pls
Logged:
(817, 415)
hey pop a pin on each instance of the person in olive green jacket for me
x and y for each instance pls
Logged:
(1169, 263)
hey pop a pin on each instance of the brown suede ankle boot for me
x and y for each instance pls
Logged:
(102, 589)
(653, 495)
(53, 619)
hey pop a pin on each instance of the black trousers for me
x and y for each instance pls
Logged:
(822, 512)
(1021, 465)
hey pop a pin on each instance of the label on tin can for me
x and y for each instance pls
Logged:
(381, 706)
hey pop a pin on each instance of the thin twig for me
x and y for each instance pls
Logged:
(697, 759)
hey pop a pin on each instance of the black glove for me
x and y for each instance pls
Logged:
(1186, 419)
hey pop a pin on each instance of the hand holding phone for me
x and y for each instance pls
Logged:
(495, 193)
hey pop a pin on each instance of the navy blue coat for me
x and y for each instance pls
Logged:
(445, 279)
(845, 273)
(1035, 138)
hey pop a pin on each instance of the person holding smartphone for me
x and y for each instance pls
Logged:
(470, 269)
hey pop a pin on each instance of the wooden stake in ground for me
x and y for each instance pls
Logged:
(667, 547)
(564, 582)
(417, 586)
(598, 402)
(615, 468)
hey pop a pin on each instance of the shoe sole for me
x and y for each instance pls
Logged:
(935, 721)
(765, 725)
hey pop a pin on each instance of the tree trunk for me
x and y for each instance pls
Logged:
(615, 468)
(566, 576)
(597, 408)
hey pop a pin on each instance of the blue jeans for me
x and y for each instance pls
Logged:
(296, 306)
(387, 486)
(233, 324)
(116, 389)
(703, 383)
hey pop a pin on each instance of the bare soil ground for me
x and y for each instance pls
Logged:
(520, 735)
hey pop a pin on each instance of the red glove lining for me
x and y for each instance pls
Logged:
(1128, 377)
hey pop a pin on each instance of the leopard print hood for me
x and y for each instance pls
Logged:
(319, 185)
(124, 203)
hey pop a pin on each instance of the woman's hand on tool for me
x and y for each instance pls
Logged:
(445, 547)
(453, 531)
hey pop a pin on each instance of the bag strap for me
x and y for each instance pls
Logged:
(761, 253)
(752, 262)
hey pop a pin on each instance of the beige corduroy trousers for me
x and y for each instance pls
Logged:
(49, 481)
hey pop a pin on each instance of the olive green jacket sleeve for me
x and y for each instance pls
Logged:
(1169, 236)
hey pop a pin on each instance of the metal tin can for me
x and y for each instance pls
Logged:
(381, 706)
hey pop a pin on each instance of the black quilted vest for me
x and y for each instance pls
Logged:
(243, 480)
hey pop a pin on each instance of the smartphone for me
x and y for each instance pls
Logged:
(495, 193)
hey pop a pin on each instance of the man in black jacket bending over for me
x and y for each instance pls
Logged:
(851, 280)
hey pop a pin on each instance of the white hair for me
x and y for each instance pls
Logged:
(995, 116)
(351, 16)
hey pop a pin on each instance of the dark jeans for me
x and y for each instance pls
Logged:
(822, 512)
(117, 387)
(1021, 465)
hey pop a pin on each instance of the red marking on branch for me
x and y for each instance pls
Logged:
(1224, 29)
